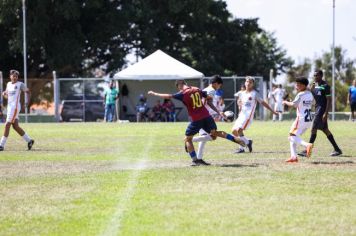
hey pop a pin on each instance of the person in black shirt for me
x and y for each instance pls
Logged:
(322, 95)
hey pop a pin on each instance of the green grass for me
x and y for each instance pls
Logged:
(135, 179)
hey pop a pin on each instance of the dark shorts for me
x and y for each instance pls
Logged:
(353, 106)
(206, 124)
(318, 122)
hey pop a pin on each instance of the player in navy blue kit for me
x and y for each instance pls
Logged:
(199, 115)
(322, 95)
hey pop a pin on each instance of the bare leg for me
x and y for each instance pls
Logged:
(17, 128)
(7, 129)
(6, 134)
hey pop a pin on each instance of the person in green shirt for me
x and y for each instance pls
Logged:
(111, 95)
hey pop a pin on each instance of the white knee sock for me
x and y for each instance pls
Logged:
(293, 149)
(244, 139)
(26, 138)
(298, 140)
(280, 116)
(200, 150)
(202, 138)
(274, 117)
(3, 141)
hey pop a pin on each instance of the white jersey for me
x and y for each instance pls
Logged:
(303, 102)
(210, 91)
(248, 101)
(278, 94)
(14, 93)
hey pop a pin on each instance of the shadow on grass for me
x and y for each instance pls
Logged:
(253, 165)
(270, 152)
(332, 162)
(37, 150)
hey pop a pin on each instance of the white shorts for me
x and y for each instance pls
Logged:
(243, 122)
(278, 106)
(12, 113)
(299, 127)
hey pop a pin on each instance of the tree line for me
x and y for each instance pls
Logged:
(345, 73)
(76, 37)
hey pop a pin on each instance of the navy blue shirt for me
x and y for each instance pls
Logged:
(320, 93)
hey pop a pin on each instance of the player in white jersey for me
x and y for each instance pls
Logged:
(278, 95)
(218, 102)
(303, 103)
(13, 94)
(247, 101)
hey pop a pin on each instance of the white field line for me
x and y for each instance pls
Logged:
(114, 225)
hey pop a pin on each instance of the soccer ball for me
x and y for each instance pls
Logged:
(229, 115)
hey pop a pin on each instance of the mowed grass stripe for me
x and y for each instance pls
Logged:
(114, 225)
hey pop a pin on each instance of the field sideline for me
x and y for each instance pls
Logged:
(134, 179)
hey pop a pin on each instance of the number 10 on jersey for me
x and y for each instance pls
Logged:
(196, 99)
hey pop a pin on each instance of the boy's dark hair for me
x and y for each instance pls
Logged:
(302, 80)
(319, 72)
(217, 79)
(180, 81)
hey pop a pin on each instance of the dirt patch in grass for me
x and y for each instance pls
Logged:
(16, 169)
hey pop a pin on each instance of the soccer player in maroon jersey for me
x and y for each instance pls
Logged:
(200, 117)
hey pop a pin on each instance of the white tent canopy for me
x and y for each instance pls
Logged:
(158, 66)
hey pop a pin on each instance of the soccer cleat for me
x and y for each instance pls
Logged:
(303, 153)
(195, 163)
(249, 145)
(1, 148)
(202, 162)
(30, 144)
(292, 160)
(309, 150)
(240, 150)
(336, 153)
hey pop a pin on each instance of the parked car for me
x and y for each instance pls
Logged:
(74, 108)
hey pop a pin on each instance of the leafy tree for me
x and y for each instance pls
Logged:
(345, 73)
(302, 69)
(75, 37)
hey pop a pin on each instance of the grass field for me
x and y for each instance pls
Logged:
(135, 179)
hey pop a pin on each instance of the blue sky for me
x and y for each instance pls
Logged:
(303, 27)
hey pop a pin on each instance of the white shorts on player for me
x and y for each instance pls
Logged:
(12, 113)
(278, 106)
(299, 127)
(243, 121)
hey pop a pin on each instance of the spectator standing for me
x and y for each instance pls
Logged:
(111, 95)
(352, 99)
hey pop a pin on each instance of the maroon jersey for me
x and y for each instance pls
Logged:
(192, 99)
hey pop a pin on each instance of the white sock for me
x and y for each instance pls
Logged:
(202, 138)
(298, 140)
(26, 138)
(274, 117)
(200, 150)
(244, 139)
(280, 116)
(293, 149)
(3, 141)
